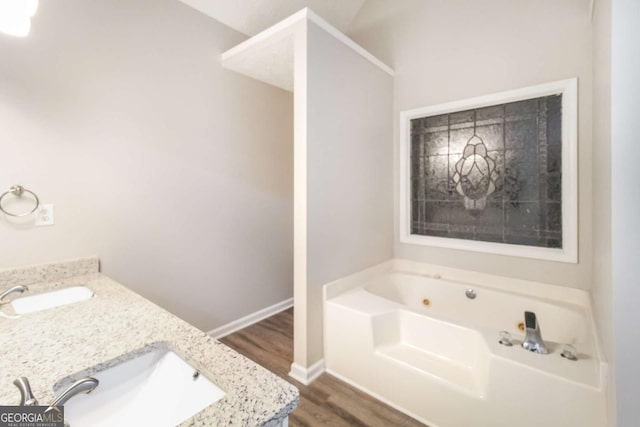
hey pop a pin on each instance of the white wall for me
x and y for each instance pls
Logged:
(601, 284)
(456, 49)
(176, 173)
(625, 175)
(349, 194)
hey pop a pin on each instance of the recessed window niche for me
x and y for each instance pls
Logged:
(494, 174)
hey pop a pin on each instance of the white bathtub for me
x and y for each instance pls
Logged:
(442, 364)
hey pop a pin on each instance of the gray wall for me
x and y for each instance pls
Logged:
(456, 49)
(176, 173)
(349, 165)
(601, 283)
(625, 174)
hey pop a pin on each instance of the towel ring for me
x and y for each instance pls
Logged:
(18, 190)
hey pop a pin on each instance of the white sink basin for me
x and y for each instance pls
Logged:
(47, 300)
(156, 389)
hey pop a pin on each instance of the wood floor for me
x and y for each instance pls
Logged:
(327, 401)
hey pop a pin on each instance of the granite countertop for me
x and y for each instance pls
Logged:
(66, 343)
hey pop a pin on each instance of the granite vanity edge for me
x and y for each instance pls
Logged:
(276, 421)
(48, 272)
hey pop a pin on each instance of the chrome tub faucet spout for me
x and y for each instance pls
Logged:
(533, 338)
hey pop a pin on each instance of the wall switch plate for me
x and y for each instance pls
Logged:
(44, 215)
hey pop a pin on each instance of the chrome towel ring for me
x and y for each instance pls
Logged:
(18, 191)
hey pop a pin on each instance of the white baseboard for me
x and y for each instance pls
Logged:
(249, 320)
(307, 375)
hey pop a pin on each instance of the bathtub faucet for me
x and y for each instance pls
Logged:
(533, 338)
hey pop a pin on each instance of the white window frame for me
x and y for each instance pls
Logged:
(569, 252)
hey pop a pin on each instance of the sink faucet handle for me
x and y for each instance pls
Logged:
(17, 288)
(26, 395)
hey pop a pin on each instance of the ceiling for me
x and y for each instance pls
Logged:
(252, 16)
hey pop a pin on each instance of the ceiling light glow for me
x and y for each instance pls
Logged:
(15, 16)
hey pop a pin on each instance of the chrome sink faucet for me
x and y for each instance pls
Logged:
(533, 338)
(85, 385)
(17, 288)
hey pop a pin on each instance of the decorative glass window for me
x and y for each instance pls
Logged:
(494, 174)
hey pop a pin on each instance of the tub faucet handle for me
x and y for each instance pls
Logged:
(533, 338)
(505, 339)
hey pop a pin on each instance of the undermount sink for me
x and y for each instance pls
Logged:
(155, 389)
(47, 300)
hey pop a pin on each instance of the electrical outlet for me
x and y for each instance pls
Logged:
(44, 215)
